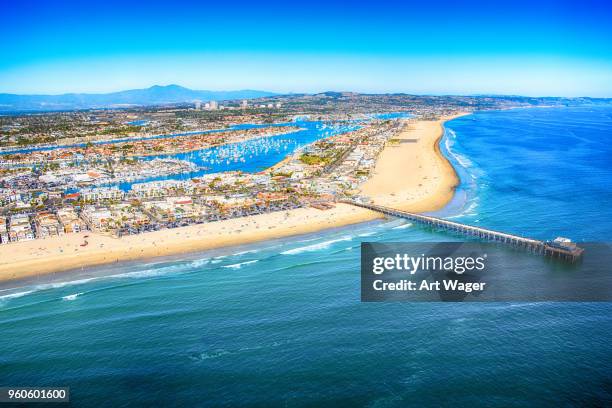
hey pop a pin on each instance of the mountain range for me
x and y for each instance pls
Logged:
(155, 95)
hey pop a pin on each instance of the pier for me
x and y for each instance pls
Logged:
(559, 248)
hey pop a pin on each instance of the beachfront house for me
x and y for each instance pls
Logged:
(97, 219)
(20, 228)
(273, 199)
(127, 216)
(70, 221)
(4, 237)
(47, 225)
(185, 209)
(233, 206)
(175, 209)
(160, 211)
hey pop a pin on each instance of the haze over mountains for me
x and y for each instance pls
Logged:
(154, 95)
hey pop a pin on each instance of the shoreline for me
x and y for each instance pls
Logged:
(432, 181)
(428, 185)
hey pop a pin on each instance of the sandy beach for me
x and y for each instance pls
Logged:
(411, 175)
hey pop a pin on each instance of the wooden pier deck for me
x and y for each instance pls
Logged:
(571, 253)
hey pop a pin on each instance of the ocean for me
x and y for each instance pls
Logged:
(280, 323)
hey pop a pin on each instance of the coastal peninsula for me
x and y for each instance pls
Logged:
(410, 173)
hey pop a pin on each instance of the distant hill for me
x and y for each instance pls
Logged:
(155, 95)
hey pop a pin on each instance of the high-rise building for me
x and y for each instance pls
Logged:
(213, 105)
(244, 104)
(198, 105)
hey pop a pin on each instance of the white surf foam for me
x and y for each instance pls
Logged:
(148, 273)
(314, 247)
(72, 297)
(199, 262)
(218, 259)
(136, 274)
(58, 285)
(462, 160)
(241, 264)
(15, 295)
(403, 226)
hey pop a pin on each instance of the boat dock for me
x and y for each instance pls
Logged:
(560, 248)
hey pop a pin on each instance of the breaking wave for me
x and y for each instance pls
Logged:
(241, 264)
(15, 295)
(72, 297)
(315, 247)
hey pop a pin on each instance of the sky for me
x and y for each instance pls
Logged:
(536, 48)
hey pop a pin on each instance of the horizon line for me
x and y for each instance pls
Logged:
(292, 93)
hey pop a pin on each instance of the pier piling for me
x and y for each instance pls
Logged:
(569, 253)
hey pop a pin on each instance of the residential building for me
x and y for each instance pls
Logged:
(47, 225)
(104, 193)
(4, 237)
(97, 218)
(126, 215)
(175, 209)
(70, 220)
(20, 228)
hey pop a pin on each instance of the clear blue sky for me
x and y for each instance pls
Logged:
(458, 47)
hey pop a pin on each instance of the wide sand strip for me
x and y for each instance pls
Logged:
(410, 175)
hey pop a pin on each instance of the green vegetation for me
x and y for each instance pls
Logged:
(313, 159)
(122, 131)
(50, 166)
(26, 141)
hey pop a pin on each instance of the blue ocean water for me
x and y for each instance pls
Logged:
(280, 322)
(548, 169)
